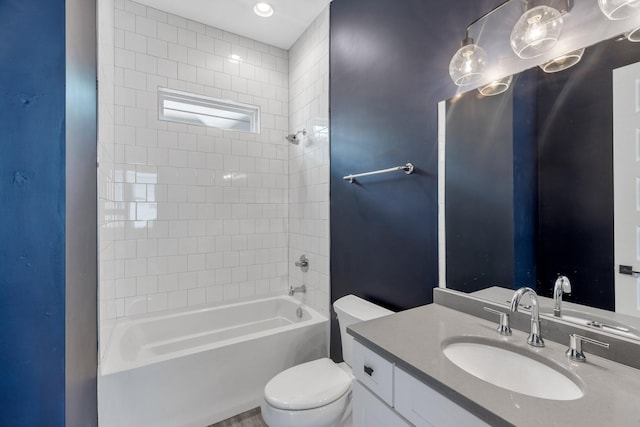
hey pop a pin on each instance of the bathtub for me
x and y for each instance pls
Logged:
(194, 368)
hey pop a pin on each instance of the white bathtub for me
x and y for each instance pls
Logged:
(198, 367)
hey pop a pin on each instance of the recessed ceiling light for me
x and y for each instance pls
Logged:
(263, 9)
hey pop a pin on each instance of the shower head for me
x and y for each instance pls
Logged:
(293, 138)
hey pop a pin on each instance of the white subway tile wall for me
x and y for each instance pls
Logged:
(309, 161)
(191, 215)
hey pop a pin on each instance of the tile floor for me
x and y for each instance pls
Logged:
(250, 418)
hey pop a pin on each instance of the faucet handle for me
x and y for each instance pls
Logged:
(303, 263)
(574, 352)
(504, 327)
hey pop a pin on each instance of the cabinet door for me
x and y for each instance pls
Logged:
(374, 371)
(369, 411)
(425, 407)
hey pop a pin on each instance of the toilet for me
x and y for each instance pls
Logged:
(318, 393)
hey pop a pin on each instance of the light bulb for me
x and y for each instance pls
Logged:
(619, 9)
(468, 64)
(536, 32)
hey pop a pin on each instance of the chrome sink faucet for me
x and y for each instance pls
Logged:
(535, 338)
(562, 286)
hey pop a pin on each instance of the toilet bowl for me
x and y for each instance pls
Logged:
(313, 394)
(318, 393)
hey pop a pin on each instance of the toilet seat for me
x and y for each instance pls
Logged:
(307, 386)
(335, 414)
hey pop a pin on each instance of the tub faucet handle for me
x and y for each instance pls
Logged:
(303, 263)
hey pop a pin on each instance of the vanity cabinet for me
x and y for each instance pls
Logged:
(384, 395)
(424, 406)
(373, 390)
(369, 411)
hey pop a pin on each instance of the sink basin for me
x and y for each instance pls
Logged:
(511, 370)
(597, 322)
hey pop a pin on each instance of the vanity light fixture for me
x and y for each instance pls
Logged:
(538, 29)
(468, 64)
(536, 32)
(496, 87)
(619, 9)
(563, 62)
(263, 9)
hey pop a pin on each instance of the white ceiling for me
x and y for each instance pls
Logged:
(282, 29)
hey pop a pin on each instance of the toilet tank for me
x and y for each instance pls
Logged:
(351, 309)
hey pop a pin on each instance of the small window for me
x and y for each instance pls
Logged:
(192, 109)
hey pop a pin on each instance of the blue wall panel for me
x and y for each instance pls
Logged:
(32, 212)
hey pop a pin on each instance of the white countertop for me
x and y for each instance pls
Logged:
(412, 340)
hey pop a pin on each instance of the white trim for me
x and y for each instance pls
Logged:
(207, 111)
(442, 258)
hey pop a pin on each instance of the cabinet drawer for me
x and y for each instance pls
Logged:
(369, 411)
(425, 407)
(373, 371)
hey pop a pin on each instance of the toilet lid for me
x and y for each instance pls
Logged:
(307, 386)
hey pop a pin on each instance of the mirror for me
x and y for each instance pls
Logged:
(527, 183)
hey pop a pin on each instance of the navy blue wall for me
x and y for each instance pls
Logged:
(389, 64)
(32, 212)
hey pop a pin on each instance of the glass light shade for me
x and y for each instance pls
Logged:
(633, 35)
(536, 32)
(619, 9)
(496, 87)
(468, 65)
(563, 62)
